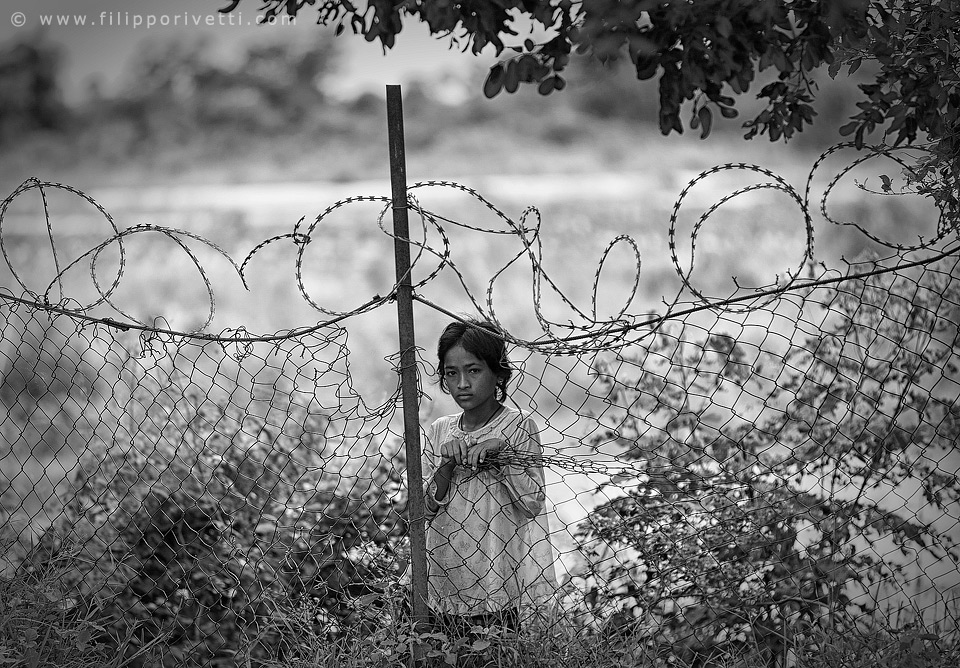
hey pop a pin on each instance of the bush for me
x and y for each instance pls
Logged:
(211, 518)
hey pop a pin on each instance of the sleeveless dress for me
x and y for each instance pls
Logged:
(488, 545)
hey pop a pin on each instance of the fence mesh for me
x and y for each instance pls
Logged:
(760, 476)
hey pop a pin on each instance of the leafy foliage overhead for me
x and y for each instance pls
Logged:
(705, 53)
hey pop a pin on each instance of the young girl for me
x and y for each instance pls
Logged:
(488, 545)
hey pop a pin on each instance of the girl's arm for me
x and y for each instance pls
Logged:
(431, 473)
(438, 471)
(436, 492)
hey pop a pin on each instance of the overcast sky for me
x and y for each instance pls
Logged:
(101, 36)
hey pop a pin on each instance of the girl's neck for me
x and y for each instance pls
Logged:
(479, 417)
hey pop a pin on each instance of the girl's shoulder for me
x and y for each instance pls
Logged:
(445, 423)
(447, 419)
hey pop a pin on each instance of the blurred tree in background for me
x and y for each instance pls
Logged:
(177, 89)
(707, 52)
(176, 95)
(29, 88)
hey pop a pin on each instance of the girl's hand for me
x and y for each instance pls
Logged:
(455, 450)
(479, 452)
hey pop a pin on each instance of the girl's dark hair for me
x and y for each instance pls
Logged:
(481, 339)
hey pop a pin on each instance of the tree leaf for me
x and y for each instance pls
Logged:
(848, 128)
(706, 120)
(494, 81)
(511, 80)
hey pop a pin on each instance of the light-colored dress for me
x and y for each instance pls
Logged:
(488, 545)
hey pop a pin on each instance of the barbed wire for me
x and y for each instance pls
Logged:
(604, 332)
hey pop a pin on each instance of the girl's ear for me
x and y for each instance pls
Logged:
(502, 381)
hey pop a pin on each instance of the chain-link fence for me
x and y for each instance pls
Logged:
(762, 479)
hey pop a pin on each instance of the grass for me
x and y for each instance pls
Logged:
(42, 625)
(559, 645)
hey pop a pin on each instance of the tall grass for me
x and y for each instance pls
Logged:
(43, 624)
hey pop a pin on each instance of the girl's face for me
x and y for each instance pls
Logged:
(469, 380)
